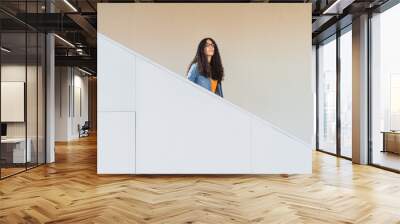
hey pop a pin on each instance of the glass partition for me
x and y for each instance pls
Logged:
(22, 101)
(14, 155)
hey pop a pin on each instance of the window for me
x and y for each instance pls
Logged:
(327, 97)
(385, 89)
(334, 138)
(346, 93)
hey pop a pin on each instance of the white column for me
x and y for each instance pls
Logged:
(50, 99)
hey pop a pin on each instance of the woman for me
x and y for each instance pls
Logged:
(206, 68)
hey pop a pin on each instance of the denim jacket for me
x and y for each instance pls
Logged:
(201, 80)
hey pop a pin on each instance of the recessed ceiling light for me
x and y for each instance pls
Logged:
(5, 50)
(70, 5)
(64, 40)
(84, 71)
(337, 7)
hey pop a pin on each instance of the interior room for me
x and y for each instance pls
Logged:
(22, 103)
(174, 111)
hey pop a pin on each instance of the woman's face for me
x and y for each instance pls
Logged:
(209, 48)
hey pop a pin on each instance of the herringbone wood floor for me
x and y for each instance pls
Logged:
(70, 191)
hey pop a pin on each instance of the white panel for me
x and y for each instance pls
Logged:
(116, 143)
(182, 128)
(12, 101)
(275, 152)
(19, 150)
(115, 78)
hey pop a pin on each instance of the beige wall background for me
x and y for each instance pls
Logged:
(265, 48)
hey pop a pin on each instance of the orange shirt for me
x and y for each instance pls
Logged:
(214, 84)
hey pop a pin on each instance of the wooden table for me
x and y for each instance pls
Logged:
(13, 150)
(391, 141)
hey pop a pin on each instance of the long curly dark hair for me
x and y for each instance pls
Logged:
(214, 69)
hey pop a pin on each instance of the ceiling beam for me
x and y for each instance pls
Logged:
(82, 61)
(85, 25)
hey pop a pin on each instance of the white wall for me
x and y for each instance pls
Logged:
(61, 103)
(80, 114)
(265, 48)
(67, 117)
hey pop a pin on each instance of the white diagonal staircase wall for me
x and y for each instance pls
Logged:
(153, 121)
